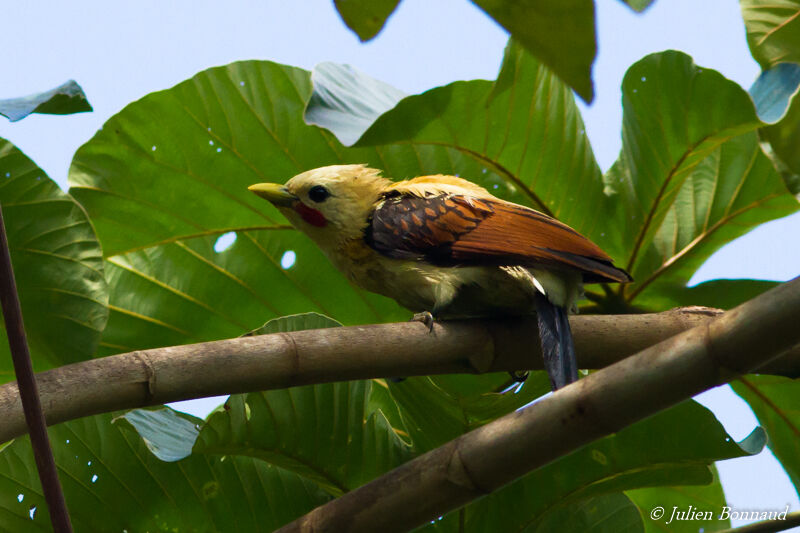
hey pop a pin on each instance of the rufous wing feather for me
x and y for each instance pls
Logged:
(452, 229)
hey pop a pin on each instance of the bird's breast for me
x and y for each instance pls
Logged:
(446, 291)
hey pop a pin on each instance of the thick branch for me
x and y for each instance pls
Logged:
(493, 455)
(283, 360)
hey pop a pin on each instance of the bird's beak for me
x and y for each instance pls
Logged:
(275, 193)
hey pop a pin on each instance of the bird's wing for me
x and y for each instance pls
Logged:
(453, 229)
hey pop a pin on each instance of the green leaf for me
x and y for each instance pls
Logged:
(638, 5)
(773, 91)
(297, 322)
(365, 17)
(324, 433)
(66, 99)
(186, 292)
(560, 34)
(105, 466)
(718, 293)
(701, 498)
(170, 172)
(730, 192)
(332, 434)
(691, 175)
(346, 101)
(773, 30)
(674, 447)
(57, 266)
(611, 513)
(157, 212)
(168, 434)
(154, 174)
(438, 409)
(525, 126)
(775, 402)
(776, 94)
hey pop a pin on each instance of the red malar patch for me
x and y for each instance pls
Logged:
(312, 216)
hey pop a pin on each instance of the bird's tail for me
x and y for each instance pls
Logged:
(557, 347)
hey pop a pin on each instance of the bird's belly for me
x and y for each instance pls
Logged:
(454, 292)
(449, 292)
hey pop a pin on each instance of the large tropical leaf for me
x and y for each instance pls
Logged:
(718, 293)
(776, 94)
(691, 175)
(333, 434)
(177, 163)
(113, 483)
(324, 433)
(186, 292)
(65, 99)
(607, 513)
(167, 175)
(773, 30)
(57, 266)
(776, 403)
(525, 126)
(304, 431)
(559, 34)
(702, 498)
(437, 409)
(346, 101)
(730, 192)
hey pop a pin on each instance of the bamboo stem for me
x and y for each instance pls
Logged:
(162, 375)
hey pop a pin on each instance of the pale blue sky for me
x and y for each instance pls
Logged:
(121, 51)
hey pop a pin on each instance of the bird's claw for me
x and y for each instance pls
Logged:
(426, 318)
(519, 376)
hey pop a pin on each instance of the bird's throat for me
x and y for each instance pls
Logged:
(310, 215)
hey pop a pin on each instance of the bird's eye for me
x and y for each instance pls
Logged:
(318, 193)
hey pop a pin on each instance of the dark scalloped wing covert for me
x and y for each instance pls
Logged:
(451, 230)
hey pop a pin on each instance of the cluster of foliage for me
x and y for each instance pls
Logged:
(130, 259)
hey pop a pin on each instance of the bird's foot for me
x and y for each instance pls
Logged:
(426, 318)
(519, 375)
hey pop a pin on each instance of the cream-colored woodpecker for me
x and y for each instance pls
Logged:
(444, 245)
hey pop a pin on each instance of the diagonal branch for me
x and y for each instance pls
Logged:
(161, 375)
(28, 392)
(606, 401)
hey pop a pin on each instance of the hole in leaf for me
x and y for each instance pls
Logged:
(288, 259)
(225, 241)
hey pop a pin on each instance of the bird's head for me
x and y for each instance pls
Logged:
(329, 204)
